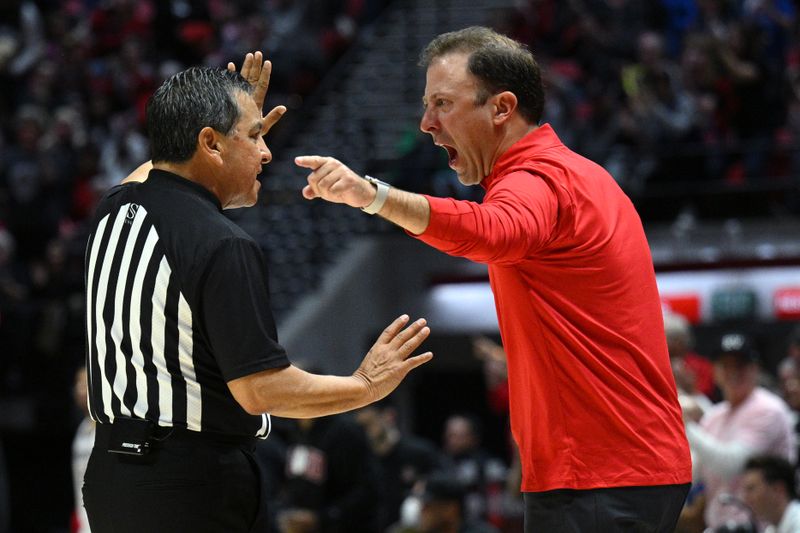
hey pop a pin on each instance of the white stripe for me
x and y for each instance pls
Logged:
(266, 426)
(121, 377)
(194, 399)
(157, 335)
(137, 357)
(90, 304)
(102, 287)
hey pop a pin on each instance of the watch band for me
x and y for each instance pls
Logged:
(380, 197)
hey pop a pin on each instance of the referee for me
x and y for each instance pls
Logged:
(182, 350)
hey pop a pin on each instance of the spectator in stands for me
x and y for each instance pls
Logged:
(750, 421)
(332, 482)
(444, 507)
(11, 288)
(271, 456)
(757, 105)
(495, 372)
(707, 88)
(25, 36)
(482, 475)
(404, 459)
(599, 133)
(658, 115)
(789, 379)
(793, 347)
(610, 28)
(776, 18)
(768, 488)
(24, 184)
(81, 450)
(694, 374)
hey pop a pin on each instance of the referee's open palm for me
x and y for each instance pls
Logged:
(390, 360)
(257, 72)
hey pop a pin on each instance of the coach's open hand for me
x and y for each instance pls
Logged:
(333, 181)
(389, 359)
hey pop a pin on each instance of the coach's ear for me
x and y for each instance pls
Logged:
(209, 147)
(504, 105)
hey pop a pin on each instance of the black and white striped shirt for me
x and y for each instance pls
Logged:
(177, 305)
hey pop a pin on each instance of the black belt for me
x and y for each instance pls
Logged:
(162, 436)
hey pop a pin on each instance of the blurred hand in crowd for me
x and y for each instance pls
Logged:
(495, 368)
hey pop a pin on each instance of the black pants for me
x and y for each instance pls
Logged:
(625, 510)
(183, 485)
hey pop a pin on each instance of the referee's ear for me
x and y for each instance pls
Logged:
(208, 145)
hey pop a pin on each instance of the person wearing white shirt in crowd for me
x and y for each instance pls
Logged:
(749, 422)
(81, 450)
(768, 488)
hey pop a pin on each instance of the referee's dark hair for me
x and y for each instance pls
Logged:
(188, 102)
(774, 470)
(500, 64)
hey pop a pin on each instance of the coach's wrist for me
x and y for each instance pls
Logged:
(381, 194)
(370, 193)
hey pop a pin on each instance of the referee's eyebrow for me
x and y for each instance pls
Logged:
(257, 125)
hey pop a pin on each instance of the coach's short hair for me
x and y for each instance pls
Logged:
(500, 64)
(188, 102)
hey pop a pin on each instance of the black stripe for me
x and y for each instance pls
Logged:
(179, 406)
(90, 321)
(96, 386)
(146, 344)
(109, 311)
(130, 396)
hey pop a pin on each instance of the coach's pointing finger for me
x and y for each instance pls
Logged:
(333, 181)
(311, 161)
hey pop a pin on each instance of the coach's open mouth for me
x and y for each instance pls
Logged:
(452, 154)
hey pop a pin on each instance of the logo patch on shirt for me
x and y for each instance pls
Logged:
(132, 209)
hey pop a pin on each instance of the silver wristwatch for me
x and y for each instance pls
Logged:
(380, 198)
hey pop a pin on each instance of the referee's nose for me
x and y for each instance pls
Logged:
(266, 155)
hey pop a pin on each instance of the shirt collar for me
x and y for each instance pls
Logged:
(163, 177)
(533, 142)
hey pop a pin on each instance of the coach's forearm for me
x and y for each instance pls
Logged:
(410, 211)
(293, 393)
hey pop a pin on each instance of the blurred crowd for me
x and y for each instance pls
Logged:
(75, 76)
(673, 90)
(658, 91)
(673, 97)
(743, 421)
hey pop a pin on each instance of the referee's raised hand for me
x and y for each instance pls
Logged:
(390, 360)
(257, 71)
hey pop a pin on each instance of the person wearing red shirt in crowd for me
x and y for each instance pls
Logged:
(693, 372)
(594, 406)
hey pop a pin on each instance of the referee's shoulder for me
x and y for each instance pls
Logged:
(116, 190)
